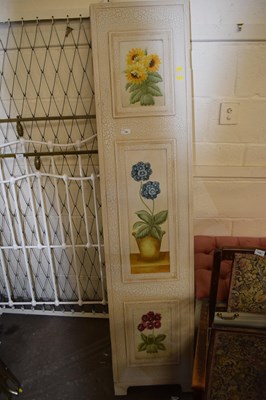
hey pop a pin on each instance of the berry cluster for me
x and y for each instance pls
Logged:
(150, 321)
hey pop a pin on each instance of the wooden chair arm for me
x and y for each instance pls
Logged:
(201, 350)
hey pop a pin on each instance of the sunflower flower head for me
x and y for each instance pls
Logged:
(135, 56)
(152, 62)
(136, 73)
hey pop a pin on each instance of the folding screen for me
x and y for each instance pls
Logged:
(143, 101)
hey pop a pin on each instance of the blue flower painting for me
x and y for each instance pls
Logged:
(149, 224)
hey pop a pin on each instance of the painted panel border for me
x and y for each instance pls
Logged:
(148, 219)
(152, 332)
(141, 73)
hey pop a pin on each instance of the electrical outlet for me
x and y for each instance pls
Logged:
(229, 113)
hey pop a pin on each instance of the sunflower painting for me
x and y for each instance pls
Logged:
(142, 76)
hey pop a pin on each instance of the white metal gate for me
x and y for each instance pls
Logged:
(50, 211)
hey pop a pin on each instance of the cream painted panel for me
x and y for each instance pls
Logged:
(158, 134)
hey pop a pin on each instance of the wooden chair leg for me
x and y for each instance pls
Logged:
(201, 353)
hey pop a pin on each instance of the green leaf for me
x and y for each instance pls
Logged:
(160, 338)
(154, 90)
(144, 337)
(157, 75)
(147, 100)
(134, 86)
(156, 233)
(142, 232)
(160, 217)
(154, 77)
(161, 346)
(142, 347)
(138, 224)
(128, 85)
(135, 96)
(145, 216)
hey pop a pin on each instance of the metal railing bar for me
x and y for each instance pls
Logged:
(54, 313)
(72, 240)
(4, 270)
(47, 118)
(47, 235)
(38, 174)
(50, 303)
(8, 208)
(22, 239)
(58, 204)
(84, 204)
(48, 153)
(32, 203)
(52, 246)
(50, 145)
(43, 47)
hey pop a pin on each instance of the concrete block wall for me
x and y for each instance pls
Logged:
(229, 65)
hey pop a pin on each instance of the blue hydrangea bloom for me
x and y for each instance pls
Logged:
(141, 171)
(150, 190)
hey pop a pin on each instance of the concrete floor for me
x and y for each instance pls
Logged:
(67, 358)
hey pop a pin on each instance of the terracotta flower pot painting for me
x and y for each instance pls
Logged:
(143, 77)
(148, 229)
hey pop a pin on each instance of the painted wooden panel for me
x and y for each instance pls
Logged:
(143, 100)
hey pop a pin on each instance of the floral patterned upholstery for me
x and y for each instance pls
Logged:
(236, 367)
(248, 283)
(204, 247)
